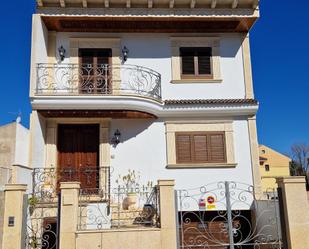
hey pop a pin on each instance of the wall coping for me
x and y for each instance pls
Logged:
(166, 182)
(120, 230)
(15, 187)
(69, 185)
(291, 179)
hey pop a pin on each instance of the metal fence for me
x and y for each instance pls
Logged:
(46, 181)
(227, 215)
(123, 209)
(43, 204)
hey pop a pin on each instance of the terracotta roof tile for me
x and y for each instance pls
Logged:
(210, 101)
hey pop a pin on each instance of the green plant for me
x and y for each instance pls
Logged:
(32, 201)
(130, 181)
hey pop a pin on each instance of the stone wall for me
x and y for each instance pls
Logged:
(1, 216)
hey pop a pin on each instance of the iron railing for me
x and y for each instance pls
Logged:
(103, 79)
(227, 215)
(124, 210)
(46, 181)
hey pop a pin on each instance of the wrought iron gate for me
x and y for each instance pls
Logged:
(42, 211)
(225, 215)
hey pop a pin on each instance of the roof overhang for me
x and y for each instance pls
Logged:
(191, 4)
(149, 15)
(148, 24)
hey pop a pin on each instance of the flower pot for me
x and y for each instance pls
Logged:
(130, 201)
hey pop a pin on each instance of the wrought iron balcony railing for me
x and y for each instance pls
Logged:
(103, 79)
(46, 182)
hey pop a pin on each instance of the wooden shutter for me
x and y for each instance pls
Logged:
(204, 61)
(183, 148)
(216, 147)
(196, 61)
(196, 147)
(187, 60)
(200, 152)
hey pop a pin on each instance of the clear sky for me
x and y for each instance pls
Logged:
(279, 53)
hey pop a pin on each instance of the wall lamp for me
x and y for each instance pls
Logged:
(116, 138)
(61, 51)
(125, 53)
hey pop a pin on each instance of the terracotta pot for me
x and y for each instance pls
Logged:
(130, 201)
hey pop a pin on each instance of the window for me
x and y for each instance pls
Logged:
(196, 62)
(263, 152)
(95, 72)
(200, 147)
(266, 167)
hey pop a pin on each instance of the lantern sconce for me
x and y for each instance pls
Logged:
(125, 53)
(116, 138)
(61, 51)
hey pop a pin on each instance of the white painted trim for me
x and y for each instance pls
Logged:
(139, 104)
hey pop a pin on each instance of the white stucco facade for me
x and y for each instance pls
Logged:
(143, 145)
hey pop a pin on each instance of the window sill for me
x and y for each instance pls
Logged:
(192, 81)
(201, 165)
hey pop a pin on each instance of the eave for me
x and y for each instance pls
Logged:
(157, 24)
(149, 15)
(171, 4)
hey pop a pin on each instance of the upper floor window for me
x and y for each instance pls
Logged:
(267, 167)
(200, 147)
(196, 62)
(95, 71)
(195, 59)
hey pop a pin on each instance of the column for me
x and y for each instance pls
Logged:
(167, 214)
(295, 211)
(68, 214)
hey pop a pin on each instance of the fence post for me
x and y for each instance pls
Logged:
(167, 214)
(295, 211)
(13, 234)
(68, 214)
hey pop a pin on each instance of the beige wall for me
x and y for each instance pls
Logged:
(1, 216)
(129, 239)
(7, 144)
(278, 166)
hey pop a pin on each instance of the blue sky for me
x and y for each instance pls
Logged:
(279, 52)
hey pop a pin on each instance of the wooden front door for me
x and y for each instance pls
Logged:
(78, 154)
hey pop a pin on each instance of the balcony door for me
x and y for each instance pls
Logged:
(78, 155)
(95, 70)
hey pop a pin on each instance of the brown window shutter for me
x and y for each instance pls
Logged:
(183, 148)
(204, 60)
(200, 152)
(216, 147)
(187, 60)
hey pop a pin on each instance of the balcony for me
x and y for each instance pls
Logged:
(103, 79)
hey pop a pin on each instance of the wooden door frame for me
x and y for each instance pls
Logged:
(76, 167)
(51, 150)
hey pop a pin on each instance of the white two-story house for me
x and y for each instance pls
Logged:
(161, 88)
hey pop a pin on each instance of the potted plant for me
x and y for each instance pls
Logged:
(130, 183)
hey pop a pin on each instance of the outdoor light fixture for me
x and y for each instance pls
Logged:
(125, 52)
(61, 51)
(116, 138)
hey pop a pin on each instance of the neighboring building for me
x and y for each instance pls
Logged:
(14, 159)
(272, 164)
(14, 152)
(124, 93)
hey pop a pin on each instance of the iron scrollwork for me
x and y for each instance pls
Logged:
(239, 219)
(102, 79)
